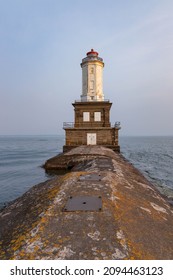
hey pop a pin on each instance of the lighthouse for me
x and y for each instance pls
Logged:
(91, 124)
(92, 77)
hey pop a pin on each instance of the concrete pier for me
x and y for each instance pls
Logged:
(102, 208)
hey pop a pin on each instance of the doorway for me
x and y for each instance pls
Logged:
(91, 138)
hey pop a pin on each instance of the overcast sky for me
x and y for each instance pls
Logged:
(42, 43)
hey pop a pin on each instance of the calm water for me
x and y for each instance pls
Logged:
(20, 162)
(154, 157)
(21, 158)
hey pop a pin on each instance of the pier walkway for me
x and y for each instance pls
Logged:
(102, 208)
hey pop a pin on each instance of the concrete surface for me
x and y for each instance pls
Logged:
(134, 222)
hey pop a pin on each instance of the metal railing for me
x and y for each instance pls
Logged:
(89, 58)
(117, 125)
(68, 124)
(88, 125)
(105, 100)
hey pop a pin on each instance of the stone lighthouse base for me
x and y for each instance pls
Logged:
(92, 136)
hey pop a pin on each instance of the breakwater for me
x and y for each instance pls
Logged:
(102, 208)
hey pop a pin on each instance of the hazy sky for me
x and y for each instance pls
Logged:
(42, 43)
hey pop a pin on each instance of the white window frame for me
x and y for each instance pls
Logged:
(97, 116)
(86, 116)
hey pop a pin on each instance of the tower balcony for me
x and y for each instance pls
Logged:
(92, 58)
(92, 100)
(67, 125)
(117, 125)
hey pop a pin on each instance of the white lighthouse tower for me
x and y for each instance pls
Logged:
(92, 81)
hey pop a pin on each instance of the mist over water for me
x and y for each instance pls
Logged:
(21, 158)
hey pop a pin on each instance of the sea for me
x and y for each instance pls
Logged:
(22, 157)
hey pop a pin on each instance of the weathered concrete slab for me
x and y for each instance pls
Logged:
(80, 154)
(135, 221)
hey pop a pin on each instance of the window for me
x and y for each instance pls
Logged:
(86, 116)
(97, 116)
(92, 85)
(92, 70)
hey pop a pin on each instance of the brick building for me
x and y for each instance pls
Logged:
(92, 113)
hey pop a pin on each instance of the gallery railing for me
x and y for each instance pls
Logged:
(117, 125)
(68, 124)
(89, 124)
(105, 100)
